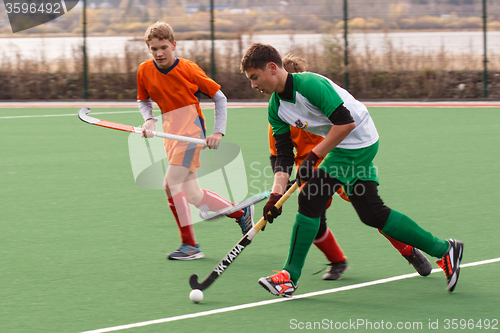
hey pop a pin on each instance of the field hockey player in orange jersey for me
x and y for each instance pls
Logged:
(176, 85)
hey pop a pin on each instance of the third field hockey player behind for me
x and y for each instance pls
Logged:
(325, 241)
(175, 84)
(350, 141)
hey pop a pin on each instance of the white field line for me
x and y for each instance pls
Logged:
(113, 104)
(243, 104)
(231, 105)
(65, 115)
(71, 114)
(255, 304)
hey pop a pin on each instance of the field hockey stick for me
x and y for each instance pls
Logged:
(204, 214)
(237, 249)
(83, 115)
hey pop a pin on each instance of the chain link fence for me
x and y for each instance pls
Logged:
(411, 49)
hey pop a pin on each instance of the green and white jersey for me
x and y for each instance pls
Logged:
(315, 98)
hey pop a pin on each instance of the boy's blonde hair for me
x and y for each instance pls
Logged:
(294, 64)
(160, 30)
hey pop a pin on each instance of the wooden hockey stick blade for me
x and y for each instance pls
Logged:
(83, 115)
(245, 203)
(237, 249)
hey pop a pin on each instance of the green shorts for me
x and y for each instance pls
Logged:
(349, 165)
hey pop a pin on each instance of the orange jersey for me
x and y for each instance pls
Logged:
(177, 92)
(174, 88)
(303, 142)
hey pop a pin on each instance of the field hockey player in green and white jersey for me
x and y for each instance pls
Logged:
(316, 104)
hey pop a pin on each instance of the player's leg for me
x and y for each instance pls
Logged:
(179, 205)
(415, 258)
(373, 212)
(326, 243)
(188, 157)
(312, 201)
(213, 202)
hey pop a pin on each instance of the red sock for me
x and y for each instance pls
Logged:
(215, 203)
(328, 245)
(403, 248)
(179, 205)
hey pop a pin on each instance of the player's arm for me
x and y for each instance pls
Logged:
(211, 88)
(220, 110)
(322, 94)
(282, 169)
(283, 145)
(145, 106)
(343, 124)
(272, 147)
(273, 157)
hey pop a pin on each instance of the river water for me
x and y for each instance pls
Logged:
(463, 42)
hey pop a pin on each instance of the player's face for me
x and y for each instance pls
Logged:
(264, 80)
(162, 51)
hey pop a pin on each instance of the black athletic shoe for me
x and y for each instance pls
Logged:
(421, 264)
(450, 263)
(335, 270)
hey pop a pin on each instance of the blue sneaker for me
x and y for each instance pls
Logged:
(246, 221)
(186, 252)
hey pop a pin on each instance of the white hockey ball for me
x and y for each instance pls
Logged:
(196, 295)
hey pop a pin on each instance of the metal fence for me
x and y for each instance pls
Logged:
(374, 48)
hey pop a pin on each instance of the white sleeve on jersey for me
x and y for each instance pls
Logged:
(220, 101)
(146, 108)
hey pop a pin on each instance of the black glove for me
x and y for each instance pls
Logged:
(306, 169)
(270, 211)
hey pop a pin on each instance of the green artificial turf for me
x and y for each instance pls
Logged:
(82, 247)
